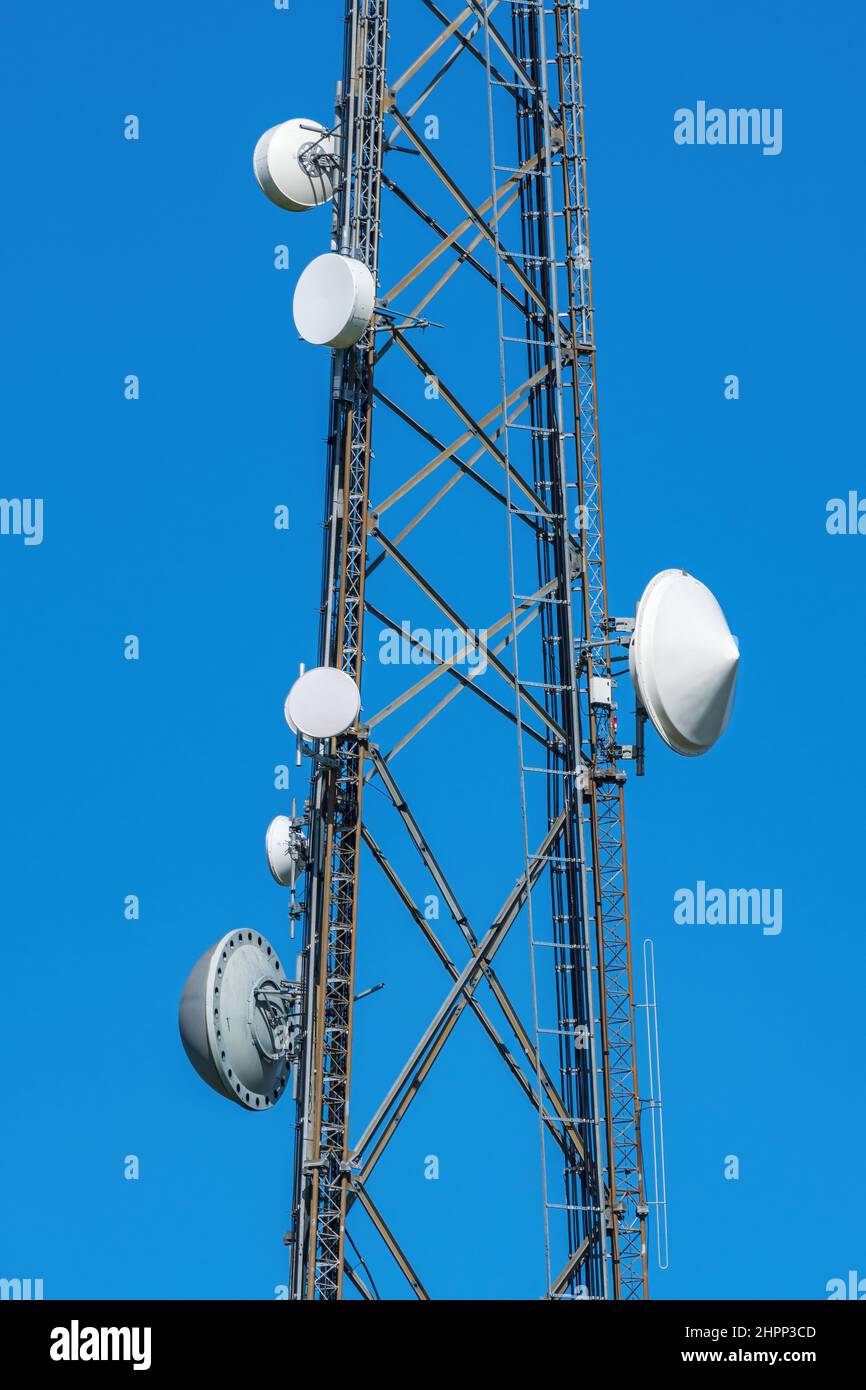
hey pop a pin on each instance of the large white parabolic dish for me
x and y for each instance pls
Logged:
(287, 164)
(323, 703)
(684, 662)
(334, 301)
(225, 1034)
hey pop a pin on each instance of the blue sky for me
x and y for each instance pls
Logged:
(155, 777)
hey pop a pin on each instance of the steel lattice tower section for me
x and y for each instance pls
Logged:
(606, 811)
(575, 1061)
(331, 918)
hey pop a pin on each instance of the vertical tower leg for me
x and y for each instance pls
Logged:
(321, 1175)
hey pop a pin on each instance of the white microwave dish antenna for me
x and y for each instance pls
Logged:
(684, 662)
(334, 301)
(294, 164)
(323, 703)
(233, 1021)
(285, 847)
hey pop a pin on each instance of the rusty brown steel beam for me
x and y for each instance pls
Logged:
(474, 426)
(421, 921)
(452, 695)
(464, 468)
(499, 993)
(476, 430)
(464, 254)
(444, 607)
(450, 239)
(431, 50)
(446, 488)
(472, 213)
(390, 1240)
(406, 1084)
(572, 1266)
(445, 666)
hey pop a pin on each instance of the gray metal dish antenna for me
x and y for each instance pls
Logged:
(238, 1020)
